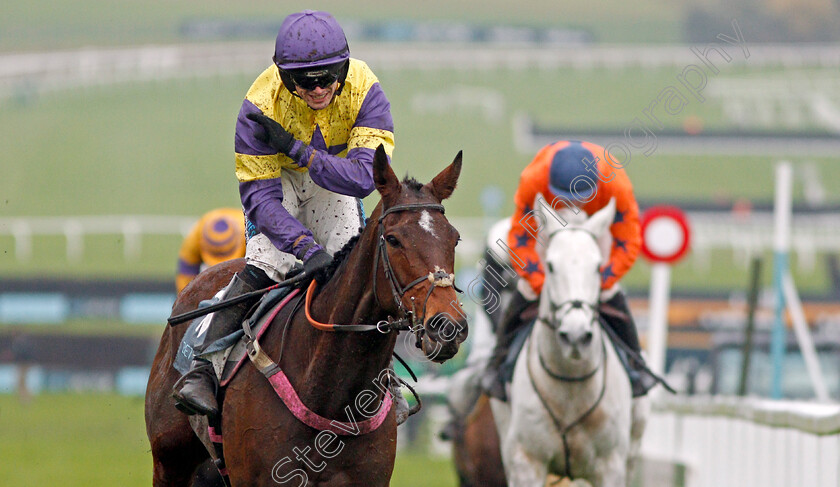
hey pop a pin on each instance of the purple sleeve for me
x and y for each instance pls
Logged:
(353, 175)
(262, 200)
(244, 141)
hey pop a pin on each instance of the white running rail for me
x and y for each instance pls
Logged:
(746, 442)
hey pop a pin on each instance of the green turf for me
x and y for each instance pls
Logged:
(62, 24)
(83, 440)
(74, 440)
(166, 148)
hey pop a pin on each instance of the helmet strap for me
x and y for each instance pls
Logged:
(287, 81)
(342, 77)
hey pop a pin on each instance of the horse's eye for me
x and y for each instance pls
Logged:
(550, 267)
(392, 241)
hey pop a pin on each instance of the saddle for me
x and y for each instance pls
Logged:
(233, 346)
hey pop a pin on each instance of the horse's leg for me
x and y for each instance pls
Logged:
(476, 450)
(176, 451)
(175, 462)
(207, 475)
(523, 468)
(611, 471)
(639, 414)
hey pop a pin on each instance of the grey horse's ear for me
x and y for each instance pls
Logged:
(600, 222)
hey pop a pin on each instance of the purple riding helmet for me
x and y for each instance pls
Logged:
(311, 51)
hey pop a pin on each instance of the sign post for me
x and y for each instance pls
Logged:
(665, 240)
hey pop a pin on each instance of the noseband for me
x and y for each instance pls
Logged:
(556, 321)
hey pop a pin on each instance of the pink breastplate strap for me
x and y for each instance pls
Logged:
(290, 398)
(308, 417)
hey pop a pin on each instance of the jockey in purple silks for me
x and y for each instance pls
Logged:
(305, 139)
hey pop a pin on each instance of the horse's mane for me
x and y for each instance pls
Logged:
(342, 254)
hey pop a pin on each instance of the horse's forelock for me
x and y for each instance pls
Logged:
(571, 218)
(412, 184)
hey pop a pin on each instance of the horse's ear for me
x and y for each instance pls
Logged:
(550, 221)
(383, 175)
(600, 222)
(444, 183)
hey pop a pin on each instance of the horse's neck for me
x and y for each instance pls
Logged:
(348, 297)
(345, 363)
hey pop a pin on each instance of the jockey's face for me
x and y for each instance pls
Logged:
(317, 98)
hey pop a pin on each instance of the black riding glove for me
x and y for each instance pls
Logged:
(317, 264)
(273, 134)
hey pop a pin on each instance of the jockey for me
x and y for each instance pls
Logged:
(583, 176)
(305, 140)
(219, 235)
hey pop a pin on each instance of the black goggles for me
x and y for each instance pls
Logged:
(309, 79)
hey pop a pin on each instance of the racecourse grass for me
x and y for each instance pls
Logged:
(60, 25)
(99, 440)
(74, 440)
(165, 148)
(92, 327)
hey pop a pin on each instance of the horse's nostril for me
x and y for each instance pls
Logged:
(586, 339)
(564, 337)
(443, 328)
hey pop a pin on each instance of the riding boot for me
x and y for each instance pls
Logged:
(623, 325)
(493, 381)
(195, 392)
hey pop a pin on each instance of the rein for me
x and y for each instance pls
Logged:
(557, 423)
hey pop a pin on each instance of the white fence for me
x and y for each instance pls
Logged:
(743, 235)
(50, 71)
(74, 228)
(737, 442)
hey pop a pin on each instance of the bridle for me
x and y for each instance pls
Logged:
(566, 306)
(437, 278)
(554, 325)
(408, 319)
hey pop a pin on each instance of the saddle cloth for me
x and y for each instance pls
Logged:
(227, 353)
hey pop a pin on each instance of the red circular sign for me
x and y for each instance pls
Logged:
(665, 234)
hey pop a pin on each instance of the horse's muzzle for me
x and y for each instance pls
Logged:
(443, 337)
(577, 339)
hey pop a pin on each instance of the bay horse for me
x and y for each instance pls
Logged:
(393, 269)
(571, 413)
